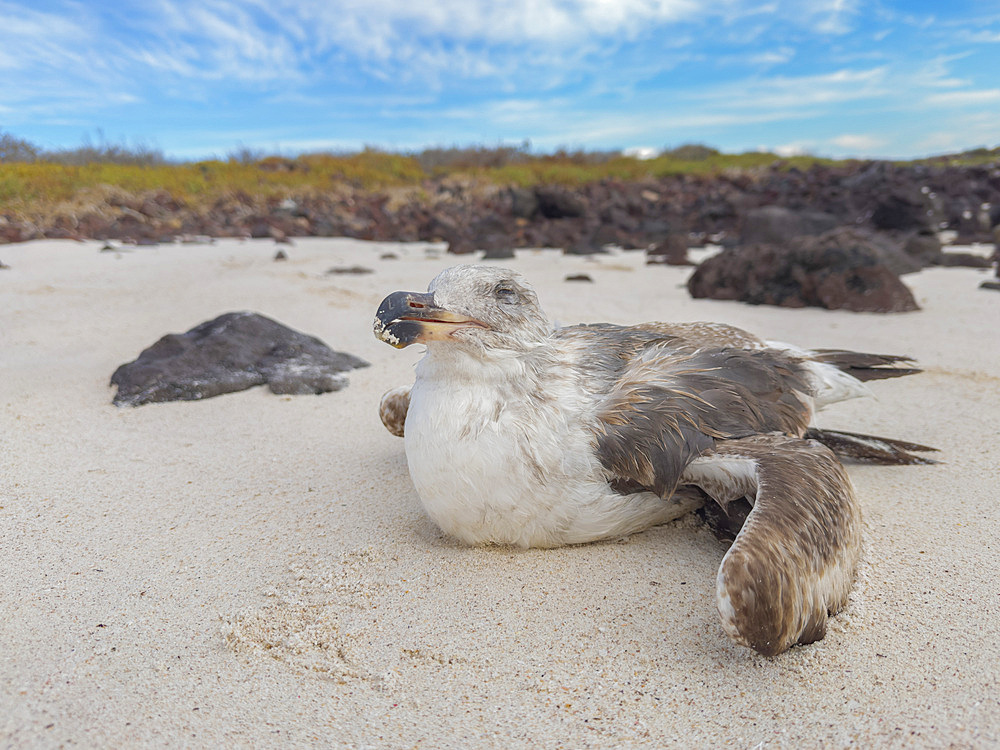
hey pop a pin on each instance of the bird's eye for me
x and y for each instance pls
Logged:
(504, 293)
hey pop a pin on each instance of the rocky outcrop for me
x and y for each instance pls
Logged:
(765, 206)
(815, 272)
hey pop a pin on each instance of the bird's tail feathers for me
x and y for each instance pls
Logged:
(870, 449)
(864, 366)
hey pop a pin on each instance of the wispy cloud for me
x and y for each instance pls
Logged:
(859, 143)
(962, 98)
(792, 93)
(833, 16)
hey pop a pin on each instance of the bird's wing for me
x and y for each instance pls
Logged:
(794, 560)
(705, 335)
(687, 336)
(393, 407)
(664, 407)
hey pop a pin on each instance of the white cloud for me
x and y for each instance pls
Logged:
(797, 93)
(515, 22)
(982, 37)
(859, 143)
(963, 132)
(642, 152)
(832, 16)
(33, 40)
(963, 98)
(772, 57)
(787, 149)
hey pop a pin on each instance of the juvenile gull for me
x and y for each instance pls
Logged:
(518, 433)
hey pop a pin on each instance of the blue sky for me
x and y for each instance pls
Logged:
(202, 78)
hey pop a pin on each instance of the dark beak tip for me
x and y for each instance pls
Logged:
(389, 327)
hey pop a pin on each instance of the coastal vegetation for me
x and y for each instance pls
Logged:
(34, 180)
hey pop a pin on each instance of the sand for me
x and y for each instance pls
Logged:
(256, 570)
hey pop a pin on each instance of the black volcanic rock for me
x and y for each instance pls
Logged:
(556, 202)
(504, 252)
(776, 225)
(349, 271)
(901, 211)
(962, 260)
(923, 248)
(232, 352)
(673, 251)
(811, 273)
(586, 245)
(523, 203)
(888, 248)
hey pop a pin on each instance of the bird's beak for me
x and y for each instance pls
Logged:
(406, 318)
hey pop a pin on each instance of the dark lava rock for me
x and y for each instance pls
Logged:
(902, 211)
(461, 245)
(587, 245)
(349, 270)
(494, 235)
(887, 248)
(578, 277)
(776, 225)
(231, 353)
(523, 203)
(561, 233)
(555, 202)
(965, 260)
(673, 251)
(923, 248)
(994, 285)
(281, 255)
(500, 252)
(808, 274)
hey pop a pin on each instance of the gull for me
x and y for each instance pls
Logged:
(517, 432)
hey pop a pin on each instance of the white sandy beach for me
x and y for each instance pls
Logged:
(255, 570)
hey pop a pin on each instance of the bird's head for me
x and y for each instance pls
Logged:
(479, 307)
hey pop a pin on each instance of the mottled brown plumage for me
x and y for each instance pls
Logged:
(794, 560)
(665, 409)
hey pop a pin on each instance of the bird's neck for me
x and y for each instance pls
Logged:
(484, 368)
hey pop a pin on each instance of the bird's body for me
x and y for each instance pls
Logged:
(501, 451)
(519, 434)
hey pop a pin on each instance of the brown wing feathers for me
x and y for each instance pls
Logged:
(794, 561)
(667, 408)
